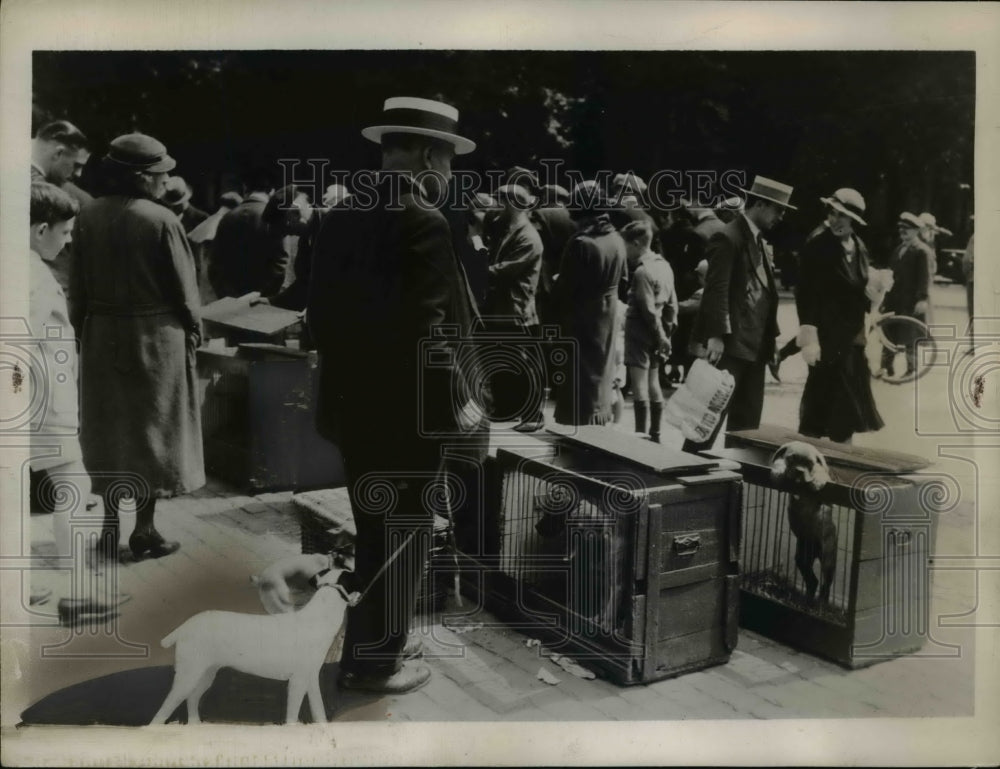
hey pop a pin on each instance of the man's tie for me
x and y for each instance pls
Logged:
(761, 265)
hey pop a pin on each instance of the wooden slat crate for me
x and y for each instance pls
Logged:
(633, 573)
(879, 604)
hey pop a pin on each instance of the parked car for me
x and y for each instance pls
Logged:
(949, 264)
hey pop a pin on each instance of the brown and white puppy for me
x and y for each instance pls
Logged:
(289, 646)
(801, 469)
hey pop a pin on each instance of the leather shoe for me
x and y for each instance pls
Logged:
(773, 365)
(151, 544)
(79, 610)
(409, 677)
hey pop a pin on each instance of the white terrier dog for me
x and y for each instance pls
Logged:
(288, 646)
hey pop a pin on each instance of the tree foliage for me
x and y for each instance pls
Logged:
(899, 126)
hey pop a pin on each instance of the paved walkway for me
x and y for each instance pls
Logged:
(484, 671)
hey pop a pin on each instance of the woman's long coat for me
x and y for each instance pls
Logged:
(137, 304)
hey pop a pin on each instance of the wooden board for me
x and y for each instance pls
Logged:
(772, 437)
(635, 450)
(238, 314)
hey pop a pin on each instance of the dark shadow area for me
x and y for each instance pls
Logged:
(132, 697)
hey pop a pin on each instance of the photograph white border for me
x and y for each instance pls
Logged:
(584, 25)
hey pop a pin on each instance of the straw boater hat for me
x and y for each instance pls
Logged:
(140, 153)
(424, 117)
(910, 220)
(771, 191)
(847, 201)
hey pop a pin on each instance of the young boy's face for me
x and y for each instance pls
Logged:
(48, 239)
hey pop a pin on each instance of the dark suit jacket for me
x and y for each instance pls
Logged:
(246, 255)
(294, 296)
(586, 297)
(515, 263)
(476, 262)
(738, 304)
(911, 278)
(555, 227)
(683, 248)
(831, 293)
(191, 217)
(382, 281)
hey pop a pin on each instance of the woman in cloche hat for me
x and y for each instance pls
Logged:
(137, 313)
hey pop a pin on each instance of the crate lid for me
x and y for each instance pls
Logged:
(237, 313)
(772, 437)
(635, 450)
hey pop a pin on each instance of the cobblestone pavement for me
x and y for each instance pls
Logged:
(483, 670)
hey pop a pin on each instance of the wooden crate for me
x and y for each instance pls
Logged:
(630, 572)
(258, 419)
(880, 602)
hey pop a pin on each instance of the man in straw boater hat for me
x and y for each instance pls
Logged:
(391, 312)
(737, 322)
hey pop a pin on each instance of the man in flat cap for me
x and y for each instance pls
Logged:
(737, 322)
(391, 311)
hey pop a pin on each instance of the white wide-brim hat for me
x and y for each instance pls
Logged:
(424, 117)
(849, 202)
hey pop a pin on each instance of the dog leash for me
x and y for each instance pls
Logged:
(353, 599)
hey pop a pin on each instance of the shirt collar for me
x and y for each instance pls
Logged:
(649, 256)
(257, 197)
(754, 229)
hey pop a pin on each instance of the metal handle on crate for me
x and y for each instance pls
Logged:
(902, 537)
(689, 544)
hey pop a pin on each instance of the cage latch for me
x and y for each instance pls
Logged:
(689, 544)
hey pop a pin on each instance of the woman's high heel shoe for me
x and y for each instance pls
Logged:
(151, 544)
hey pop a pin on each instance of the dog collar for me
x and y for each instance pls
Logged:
(314, 579)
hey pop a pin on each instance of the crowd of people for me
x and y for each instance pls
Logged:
(640, 292)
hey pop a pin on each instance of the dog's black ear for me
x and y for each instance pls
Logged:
(780, 453)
